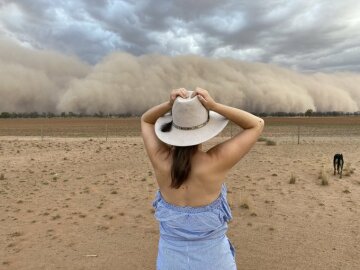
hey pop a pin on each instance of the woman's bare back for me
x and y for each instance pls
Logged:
(202, 187)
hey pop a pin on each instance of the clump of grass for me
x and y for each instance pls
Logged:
(292, 179)
(56, 217)
(16, 234)
(245, 206)
(2, 176)
(266, 140)
(348, 171)
(324, 178)
(270, 142)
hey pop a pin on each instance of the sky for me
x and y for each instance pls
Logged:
(126, 56)
(307, 36)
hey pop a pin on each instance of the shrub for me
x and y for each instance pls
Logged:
(323, 177)
(348, 170)
(292, 179)
(270, 142)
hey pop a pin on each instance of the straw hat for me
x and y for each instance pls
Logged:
(192, 123)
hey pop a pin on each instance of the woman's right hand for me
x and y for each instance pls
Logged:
(205, 98)
(182, 92)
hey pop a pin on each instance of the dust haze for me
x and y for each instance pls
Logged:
(49, 81)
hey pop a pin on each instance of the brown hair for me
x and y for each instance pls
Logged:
(181, 160)
(181, 165)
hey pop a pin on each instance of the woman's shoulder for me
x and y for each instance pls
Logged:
(204, 165)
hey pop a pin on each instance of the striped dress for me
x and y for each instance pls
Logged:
(194, 238)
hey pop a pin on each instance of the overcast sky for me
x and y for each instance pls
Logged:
(307, 36)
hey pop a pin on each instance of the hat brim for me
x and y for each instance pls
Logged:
(179, 137)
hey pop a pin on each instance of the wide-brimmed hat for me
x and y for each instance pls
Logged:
(192, 123)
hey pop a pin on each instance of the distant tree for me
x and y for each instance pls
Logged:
(14, 115)
(33, 115)
(63, 114)
(98, 114)
(5, 115)
(309, 112)
(263, 114)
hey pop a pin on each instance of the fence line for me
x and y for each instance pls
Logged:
(293, 133)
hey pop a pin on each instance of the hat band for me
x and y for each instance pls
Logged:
(194, 127)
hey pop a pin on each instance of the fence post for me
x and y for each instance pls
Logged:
(298, 134)
(106, 126)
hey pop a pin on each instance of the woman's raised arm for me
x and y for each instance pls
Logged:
(229, 152)
(153, 145)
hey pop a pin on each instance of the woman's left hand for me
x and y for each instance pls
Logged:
(182, 92)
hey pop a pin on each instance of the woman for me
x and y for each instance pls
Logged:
(191, 204)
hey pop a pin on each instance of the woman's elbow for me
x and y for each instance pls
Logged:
(143, 117)
(260, 125)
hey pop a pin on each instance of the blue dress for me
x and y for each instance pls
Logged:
(194, 238)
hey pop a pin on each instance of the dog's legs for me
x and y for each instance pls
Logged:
(341, 166)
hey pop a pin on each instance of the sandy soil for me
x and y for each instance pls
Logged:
(62, 200)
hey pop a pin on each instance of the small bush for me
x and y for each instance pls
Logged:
(2, 176)
(244, 205)
(348, 170)
(262, 139)
(292, 179)
(270, 142)
(323, 177)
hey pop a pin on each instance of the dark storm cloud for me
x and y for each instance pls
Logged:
(303, 35)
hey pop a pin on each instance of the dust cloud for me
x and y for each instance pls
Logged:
(40, 80)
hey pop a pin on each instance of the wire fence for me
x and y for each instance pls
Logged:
(114, 128)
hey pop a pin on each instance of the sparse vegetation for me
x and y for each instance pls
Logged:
(348, 171)
(263, 191)
(323, 177)
(2, 176)
(266, 140)
(244, 205)
(270, 142)
(292, 179)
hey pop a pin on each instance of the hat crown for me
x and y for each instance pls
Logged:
(189, 112)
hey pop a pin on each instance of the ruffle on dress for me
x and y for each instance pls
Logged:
(192, 223)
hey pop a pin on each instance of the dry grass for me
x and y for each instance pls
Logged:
(270, 142)
(119, 127)
(348, 170)
(292, 179)
(266, 140)
(324, 178)
(262, 139)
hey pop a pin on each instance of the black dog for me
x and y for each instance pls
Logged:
(338, 164)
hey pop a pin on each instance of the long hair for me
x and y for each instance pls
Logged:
(181, 160)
